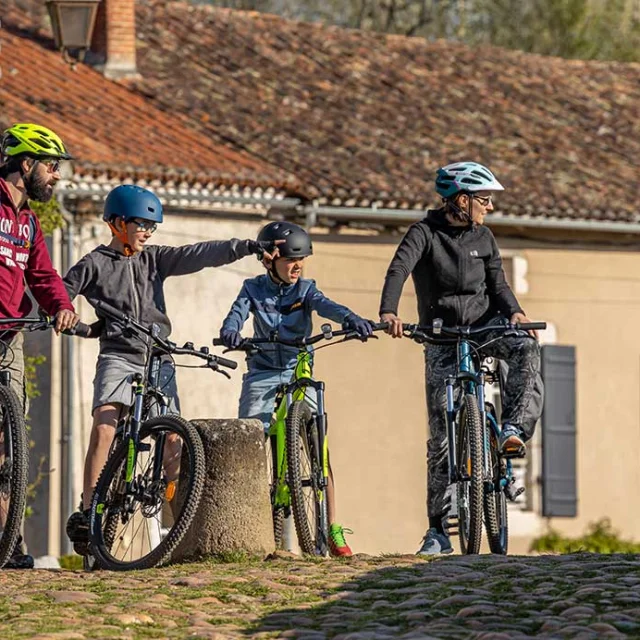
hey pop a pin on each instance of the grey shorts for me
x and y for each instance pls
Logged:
(113, 382)
(13, 361)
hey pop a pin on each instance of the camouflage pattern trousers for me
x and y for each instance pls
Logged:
(521, 353)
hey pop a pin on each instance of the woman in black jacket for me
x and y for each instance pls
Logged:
(457, 272)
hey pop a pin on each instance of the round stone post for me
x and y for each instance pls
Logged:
(235, 510)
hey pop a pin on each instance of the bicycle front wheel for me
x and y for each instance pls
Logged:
(14, 471)
(496, 515)
(277, 510)
(308, 493)
(470, 488)
(140, 527)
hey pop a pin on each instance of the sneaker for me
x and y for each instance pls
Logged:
(338, 546)
(78, 531)
(511, 440)
(435, 543)
(19, 560)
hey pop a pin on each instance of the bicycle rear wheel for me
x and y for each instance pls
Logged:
(139, 529)
(14, 470)
(496, 515)
(470, 490)
(308, 496)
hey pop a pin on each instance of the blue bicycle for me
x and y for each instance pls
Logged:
(481, 477)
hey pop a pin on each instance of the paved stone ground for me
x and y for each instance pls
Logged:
(579, 596)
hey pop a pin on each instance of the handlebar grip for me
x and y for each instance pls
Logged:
(81, 330)
(224, 362)
(111, 311)
(217, 342)
(380, 326)
(531, 326)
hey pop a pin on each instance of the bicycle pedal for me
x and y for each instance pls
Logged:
(520, 452)
(513, 495)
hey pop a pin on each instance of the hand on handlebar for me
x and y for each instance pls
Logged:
(395, 324)
(65, 319)
(520, 318)
(231, 339)
(364, 328)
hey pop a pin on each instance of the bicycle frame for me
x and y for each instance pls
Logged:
(288, 394)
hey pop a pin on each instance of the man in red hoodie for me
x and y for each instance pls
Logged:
(30, 156)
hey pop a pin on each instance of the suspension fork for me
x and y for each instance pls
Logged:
(323, 441)
(133, 436)
(486, 445)
(451, 430)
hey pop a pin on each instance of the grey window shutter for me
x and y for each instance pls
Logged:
(559, 484)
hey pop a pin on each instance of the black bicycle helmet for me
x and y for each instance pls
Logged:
(297, 241)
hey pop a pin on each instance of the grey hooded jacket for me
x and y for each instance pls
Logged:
(134, 285)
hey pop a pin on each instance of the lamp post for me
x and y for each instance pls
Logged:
(72, 22)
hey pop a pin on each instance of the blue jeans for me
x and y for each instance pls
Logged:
(258, 395)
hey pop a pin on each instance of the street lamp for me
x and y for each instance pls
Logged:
(72, 22)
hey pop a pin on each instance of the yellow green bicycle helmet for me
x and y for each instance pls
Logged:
(32, 140)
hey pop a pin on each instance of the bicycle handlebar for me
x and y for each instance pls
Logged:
(328, 333)
(164, 344)
(81, 329)
(427, 332)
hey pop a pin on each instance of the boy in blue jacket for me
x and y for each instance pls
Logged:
(281, 300)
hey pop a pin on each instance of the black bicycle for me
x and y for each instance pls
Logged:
(150, 488)
(14, 442)
(480, 475)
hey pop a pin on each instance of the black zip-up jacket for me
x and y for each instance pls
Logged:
(457, 273)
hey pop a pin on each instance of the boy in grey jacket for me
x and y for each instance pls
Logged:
(129, 276)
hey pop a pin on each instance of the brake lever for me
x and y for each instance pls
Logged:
(223, 372)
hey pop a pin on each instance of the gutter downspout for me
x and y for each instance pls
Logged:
(68, 407)
(412, 215)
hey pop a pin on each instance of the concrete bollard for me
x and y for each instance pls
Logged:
(235, 510)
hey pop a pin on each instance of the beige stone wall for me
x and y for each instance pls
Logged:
(375, 395)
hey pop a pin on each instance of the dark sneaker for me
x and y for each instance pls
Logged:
(435, 543)
(511, 441)
(78, 531)
(338, 546)
(18, 559)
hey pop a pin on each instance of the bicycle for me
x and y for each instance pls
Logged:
(480, 474)
(155, 470)
(299, 471)
(14, 441)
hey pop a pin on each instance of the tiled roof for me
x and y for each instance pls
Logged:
(362, 118)
(113, 131)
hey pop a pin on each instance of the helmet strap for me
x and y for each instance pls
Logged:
(458, 212)
(275, 276)
(122, 236)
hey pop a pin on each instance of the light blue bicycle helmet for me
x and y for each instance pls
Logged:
(128, 201)
(465, 177)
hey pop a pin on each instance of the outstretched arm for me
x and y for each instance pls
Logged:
(190, 258)
(409, 251)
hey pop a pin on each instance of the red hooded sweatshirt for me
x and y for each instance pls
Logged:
(30, 264)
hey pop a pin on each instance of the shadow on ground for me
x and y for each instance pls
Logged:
(476, 597)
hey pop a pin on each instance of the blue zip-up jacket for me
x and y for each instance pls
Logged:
(285, 308)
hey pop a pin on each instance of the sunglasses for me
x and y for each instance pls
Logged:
(485, 201)
(52, 165)
(144, 225)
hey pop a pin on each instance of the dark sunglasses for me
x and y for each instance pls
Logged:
(485, 201)
(52, 165)
(144, 225)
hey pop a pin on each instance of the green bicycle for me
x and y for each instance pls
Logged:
(299, 456)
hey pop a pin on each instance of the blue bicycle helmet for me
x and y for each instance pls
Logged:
(466, 177)
(129, 201)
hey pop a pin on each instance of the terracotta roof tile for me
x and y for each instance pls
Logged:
(370, 117)
(108, 127)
